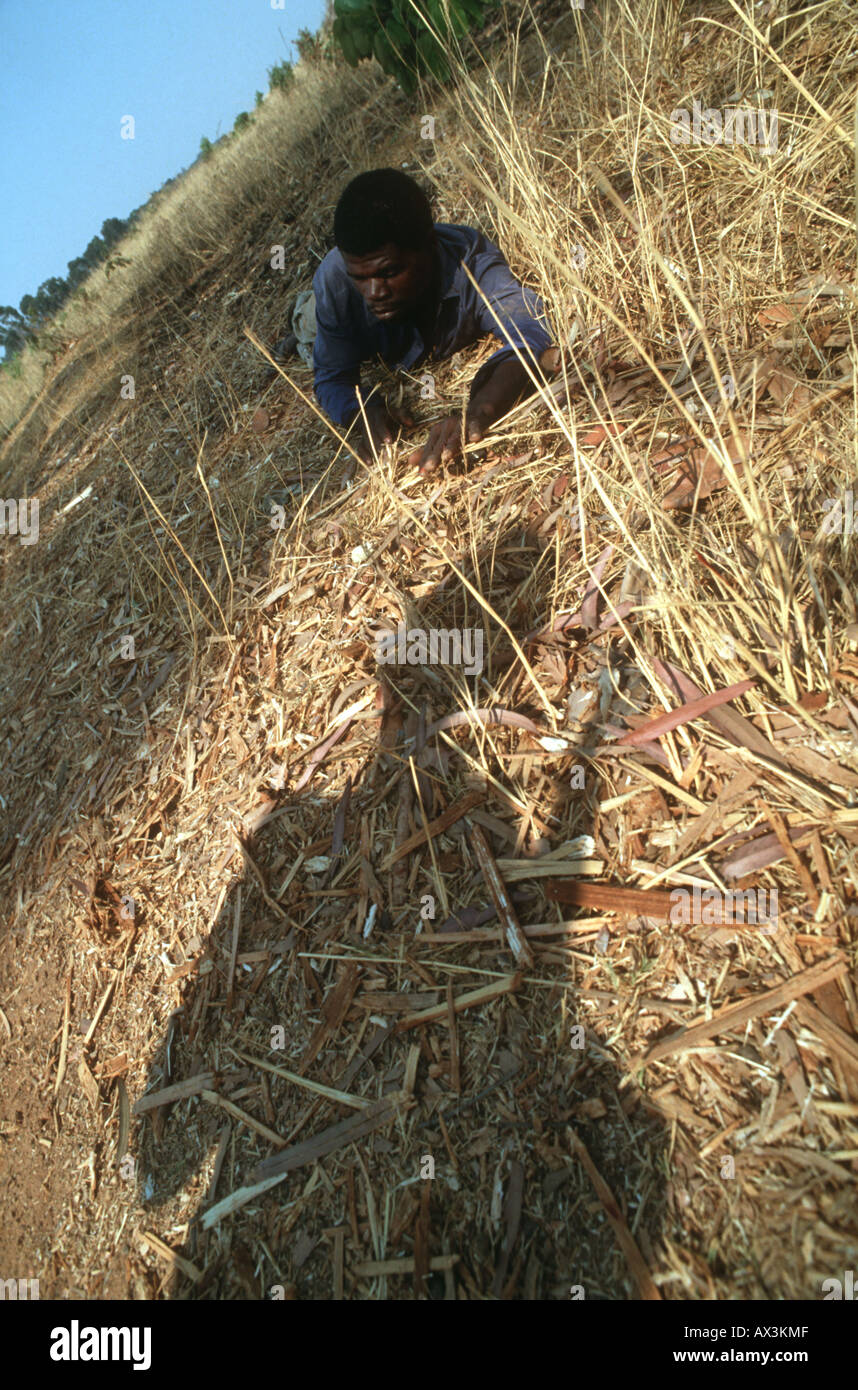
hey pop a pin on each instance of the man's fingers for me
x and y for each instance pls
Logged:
(381, 435)
(444, 444)
(436, 447)
(433, 451)
(378, 422)
(419, 456)
(453, 437)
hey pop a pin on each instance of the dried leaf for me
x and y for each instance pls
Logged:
(760, 853)
(322, 752)
(590, 601)
(665, 722)
(88, 1082)
(483, 716)
(788, 389)
(702, 473)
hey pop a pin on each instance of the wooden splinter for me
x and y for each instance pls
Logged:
(500, 897)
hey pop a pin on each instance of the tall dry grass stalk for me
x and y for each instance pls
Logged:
(682, 246)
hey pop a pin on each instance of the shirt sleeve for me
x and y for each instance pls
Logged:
(337, 352)
(521, 312)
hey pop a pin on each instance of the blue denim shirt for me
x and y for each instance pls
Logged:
(349, 334)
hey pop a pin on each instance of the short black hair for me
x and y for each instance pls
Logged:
(379, 206)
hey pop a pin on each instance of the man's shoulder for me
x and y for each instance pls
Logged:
(467, 244)
(459, 234)
(331, 273)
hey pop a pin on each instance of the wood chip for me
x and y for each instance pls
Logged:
(124, 1120)
(728, 799)
(191, 1086)
(339, 1264)
(513, 1200)
(472, 1000)
(634, 1259)
(736, 1015)
(175, 1261)
(611, 897)
(280, 1165)
(776, 821)
(793, 1071)
(242, 1116)
(64, 1041)
(516, 939)
(90, 1033)
(836, 1040)
(336, 1006)
(223, 1145)
(406, 1264)
(154, 684)
(333, 1138)
(455, 1079)
(435, 827)
(88, 1082)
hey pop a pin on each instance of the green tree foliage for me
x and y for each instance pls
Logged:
(408, 41)
(23, 325)
(259, 98)
(309, 46)
(12, 364)
(95, 252)
(15, 331)
(281, 77)
(242, 121)
(112, 229)
(206, 147)
(49, 298)
(78, 271)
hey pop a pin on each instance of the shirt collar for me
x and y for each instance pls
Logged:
(449, 260)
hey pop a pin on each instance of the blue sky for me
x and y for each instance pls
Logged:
(181, 68)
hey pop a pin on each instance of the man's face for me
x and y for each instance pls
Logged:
(393, 281)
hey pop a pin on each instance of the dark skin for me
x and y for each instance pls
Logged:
(402, 284)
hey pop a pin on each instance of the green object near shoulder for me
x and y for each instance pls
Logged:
(406, 40)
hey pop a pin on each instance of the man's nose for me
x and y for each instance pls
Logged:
(376, 290)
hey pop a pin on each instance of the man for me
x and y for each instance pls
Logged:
(394, 285)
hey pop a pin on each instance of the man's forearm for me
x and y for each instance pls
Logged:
(499, 389)
(337, 398)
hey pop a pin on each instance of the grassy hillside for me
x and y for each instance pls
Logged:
(189, 858)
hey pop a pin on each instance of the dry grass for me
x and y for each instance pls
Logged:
(254, 644)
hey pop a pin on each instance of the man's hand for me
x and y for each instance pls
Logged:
(384, 423)
(495, 392)
(443, 445)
